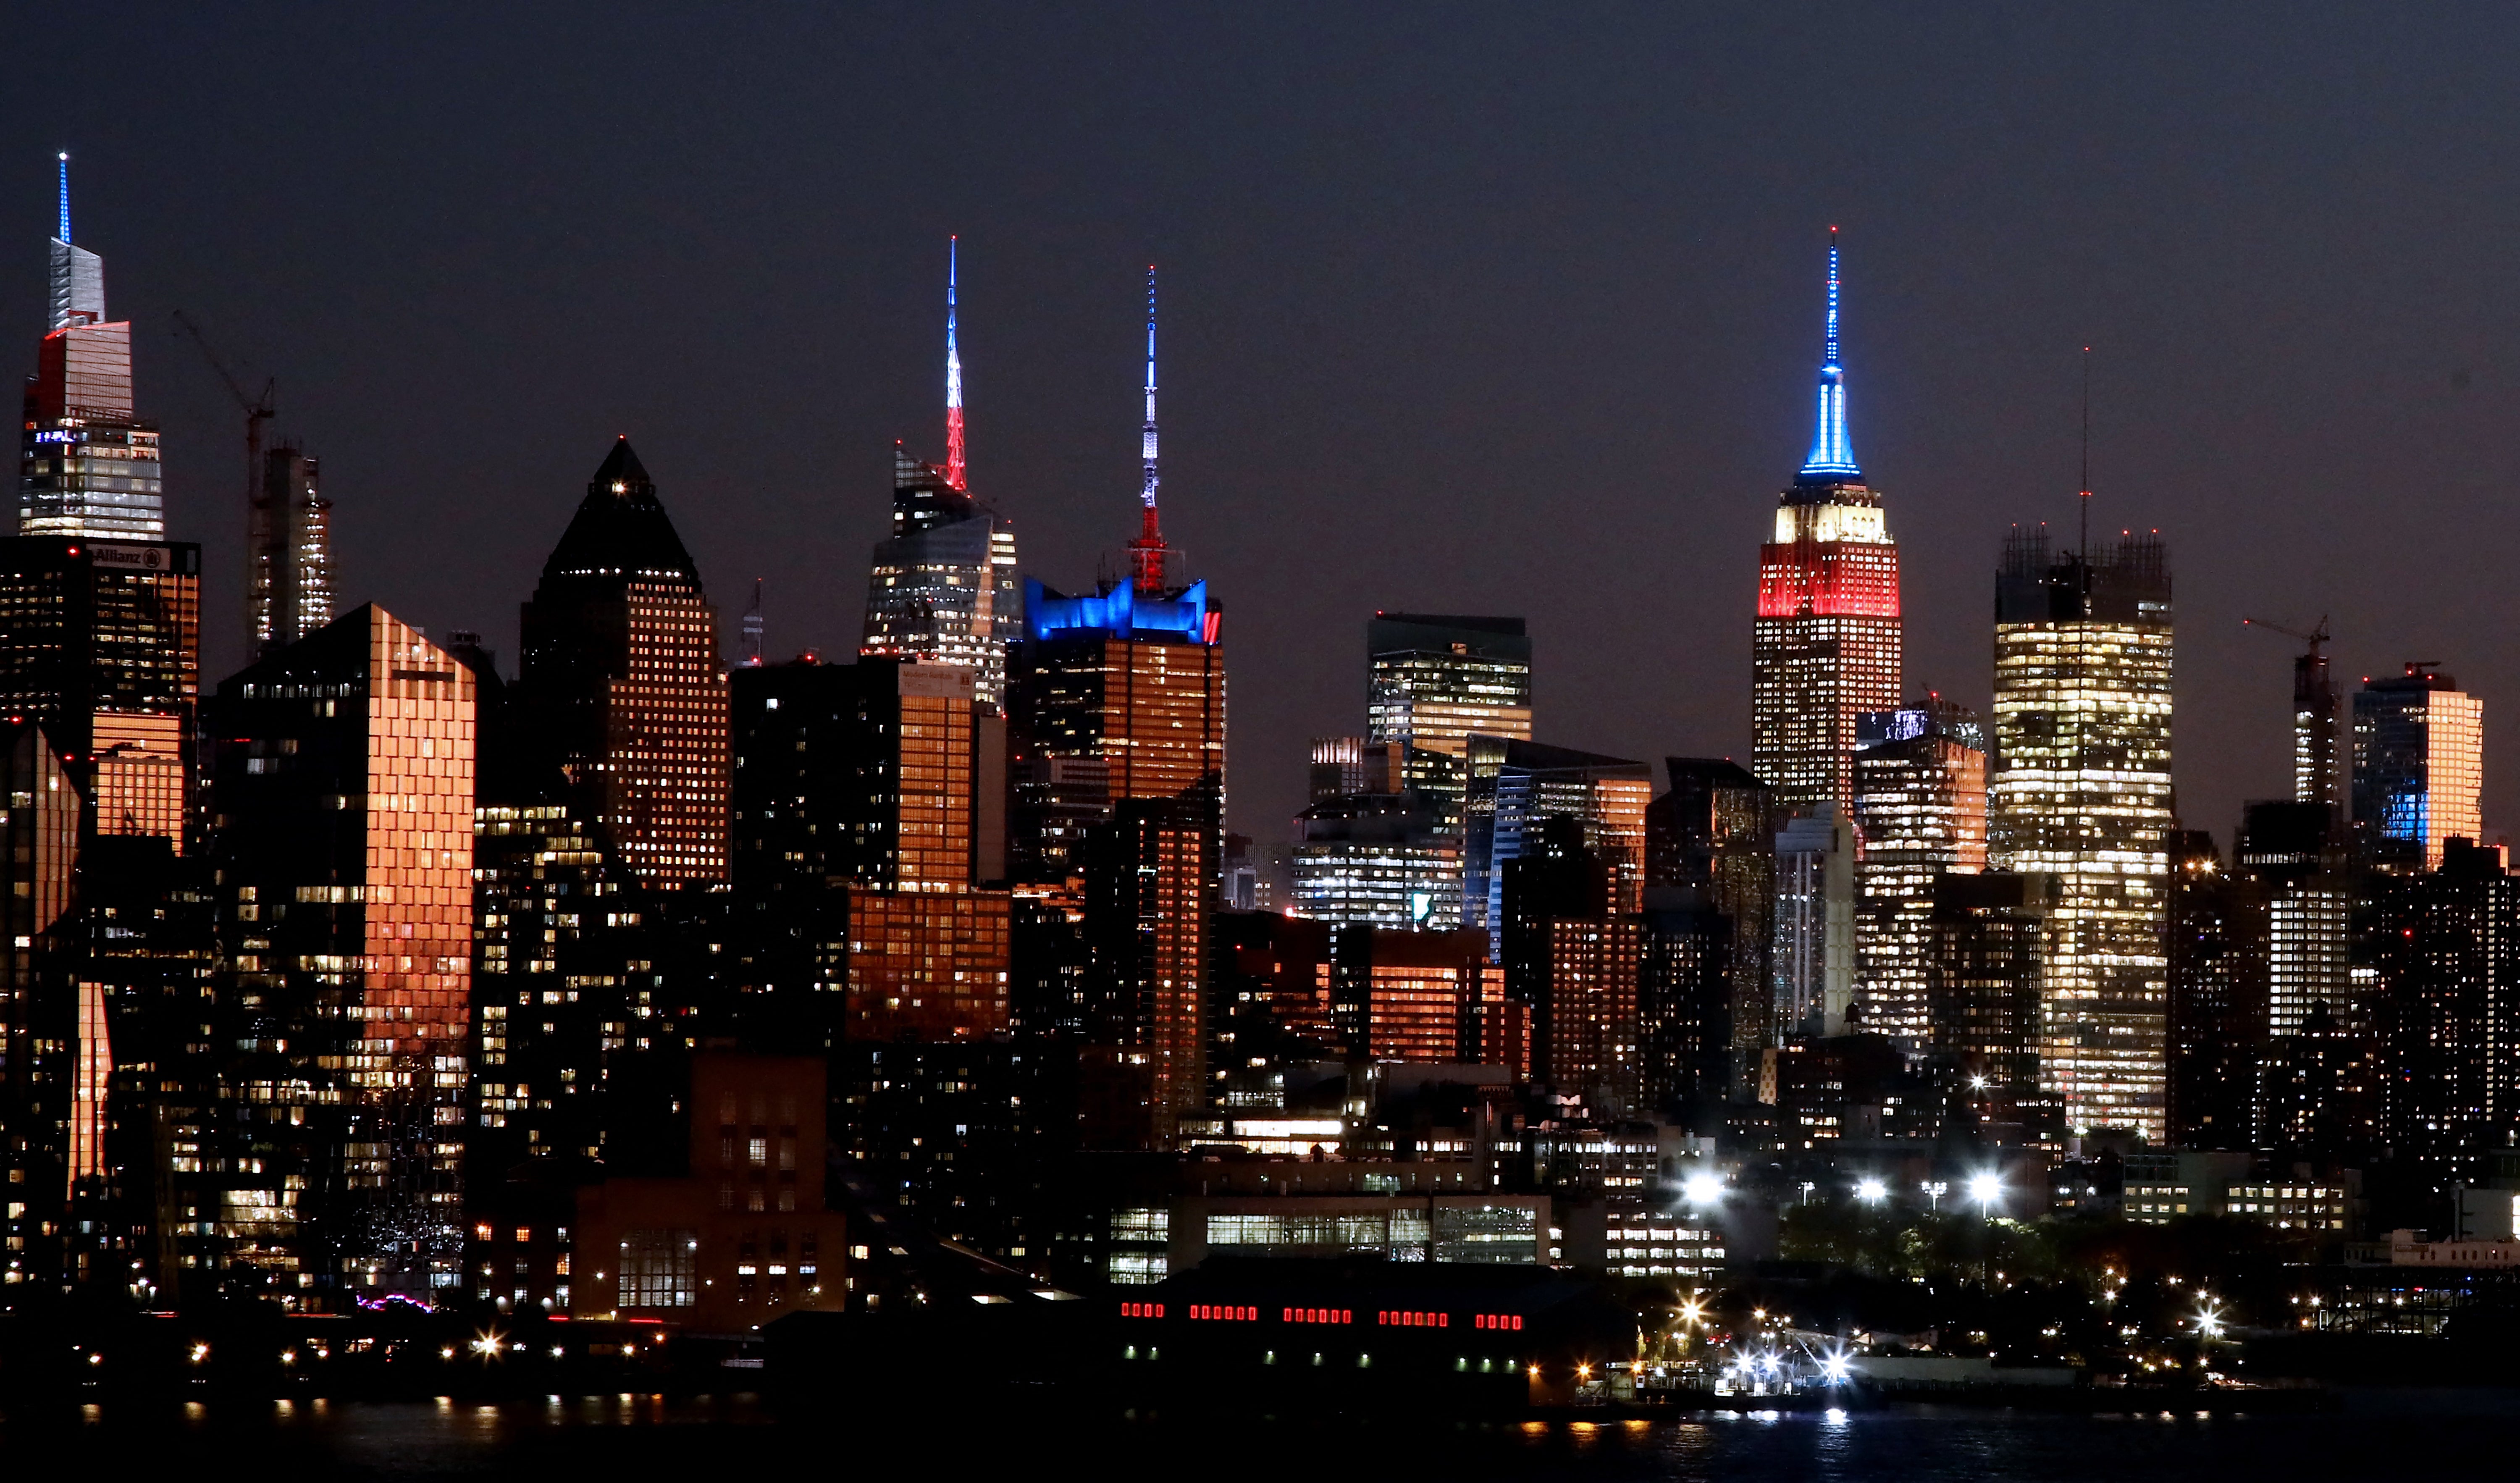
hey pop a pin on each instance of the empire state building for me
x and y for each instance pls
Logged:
(1827, 644)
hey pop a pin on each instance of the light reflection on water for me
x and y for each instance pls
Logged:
(645, 1435)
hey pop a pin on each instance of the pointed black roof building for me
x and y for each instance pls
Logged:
(621, 686)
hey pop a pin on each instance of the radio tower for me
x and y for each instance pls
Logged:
(954, 474)
(1146, 552)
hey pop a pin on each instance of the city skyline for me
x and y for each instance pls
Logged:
(1684, 412)
(496, 956)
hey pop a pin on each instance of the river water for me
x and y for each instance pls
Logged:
(2378, 1435)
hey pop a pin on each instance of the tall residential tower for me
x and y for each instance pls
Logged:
(1827, 644)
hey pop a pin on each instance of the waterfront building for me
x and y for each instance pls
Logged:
(1432, 682)
(745, 1236)
(2082, 792)
(342, 789)
(942, 586)
(90, 469)
(2419, 767)
(1826, 645)
(1919, 811)
(622, 680)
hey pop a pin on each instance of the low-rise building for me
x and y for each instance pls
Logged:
(741, 1239)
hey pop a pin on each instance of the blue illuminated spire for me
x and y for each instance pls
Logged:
(1832, 452)
(66, 196)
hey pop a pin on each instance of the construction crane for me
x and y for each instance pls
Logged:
(259, 408)
(2316, 638)
(2317, 772)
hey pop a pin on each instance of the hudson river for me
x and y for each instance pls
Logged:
(2377, 1436)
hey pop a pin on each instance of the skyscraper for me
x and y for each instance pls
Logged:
(342, 831)
(1919, 811)
(91, 467)
(1432, 681)
(1116, 749)
(622, 681)
(1827, 644)
(2082, 792)
(1119, 733)
(2419, 767)
(943, 586)
(289, 539)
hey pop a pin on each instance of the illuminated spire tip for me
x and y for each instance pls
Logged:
(1832, 451)
(954, 473)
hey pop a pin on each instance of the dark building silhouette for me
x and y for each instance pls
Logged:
(1684, 1003)
(2444, 947)
(1715, 833)
(2218, 1010)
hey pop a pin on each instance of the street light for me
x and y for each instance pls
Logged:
(1871, 1192)
(1703, 1189)
(1987, 1190)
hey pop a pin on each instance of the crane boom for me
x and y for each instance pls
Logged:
(2316, 638)
(259, 517)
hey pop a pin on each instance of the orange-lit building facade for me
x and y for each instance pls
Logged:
(341, 817)
(1117, 746)
(49, 1037)
(1593, 1030)
(621, 678)
(1395, 994)
(862, 785)
(740, 1241)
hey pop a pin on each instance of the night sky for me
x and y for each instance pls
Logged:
(1509, 309)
